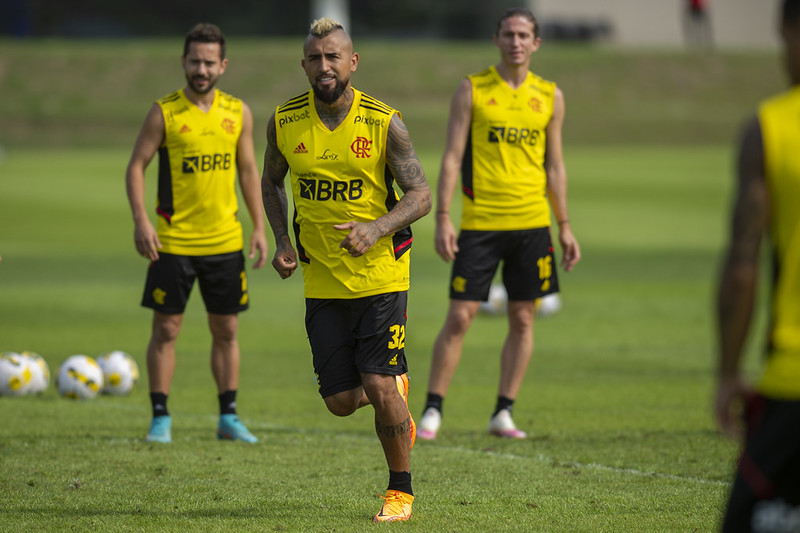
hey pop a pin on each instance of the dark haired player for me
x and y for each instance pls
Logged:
(202, 137)
(766, 491)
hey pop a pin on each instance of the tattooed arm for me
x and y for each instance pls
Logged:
(737, 286)
(415, 203)
(273, 194)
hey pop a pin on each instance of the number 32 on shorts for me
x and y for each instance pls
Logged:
(398, 340)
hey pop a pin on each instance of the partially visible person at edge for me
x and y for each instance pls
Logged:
(766, 491)
(697, 23)
(504, 139)
(343, 150)
(202, 136)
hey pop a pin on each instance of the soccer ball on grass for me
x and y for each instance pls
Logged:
(15, 374)
(548, 305)
(120, 372)
(40, 372)
(79, 378)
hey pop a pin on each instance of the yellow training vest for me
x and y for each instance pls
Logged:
(780, 128)
(338, 176)
(197, 204)
(503, 177)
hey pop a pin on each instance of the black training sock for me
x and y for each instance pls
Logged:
(502, 403)
(400, 481)
(227, 402)
(435, 401)
(159, 403)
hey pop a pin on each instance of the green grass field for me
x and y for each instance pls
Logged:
(616, 401)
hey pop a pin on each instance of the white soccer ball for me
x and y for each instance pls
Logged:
(548, 305)
(15, 374)
(497, 302)
(120, 372)
(79, 378)
(40, 372)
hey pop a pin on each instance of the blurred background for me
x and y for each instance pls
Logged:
(735, 23)
(84, 72)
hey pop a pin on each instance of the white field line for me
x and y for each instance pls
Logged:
(590, 466)
(454, 449)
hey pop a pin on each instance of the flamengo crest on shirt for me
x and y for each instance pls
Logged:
(228, 125)
(535, 104)
(361, 147)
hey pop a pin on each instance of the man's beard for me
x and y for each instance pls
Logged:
(329, 96)
(212, 82)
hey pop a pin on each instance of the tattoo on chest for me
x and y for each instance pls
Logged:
(332, 119)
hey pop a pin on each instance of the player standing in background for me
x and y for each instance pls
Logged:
(504, 138)
(697, 24)
(766, 491)
(343, 150)
(202, 136)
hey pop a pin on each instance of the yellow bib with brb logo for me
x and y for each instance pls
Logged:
(503, 177)
(340, 176)
(197, 203)
(780, 129)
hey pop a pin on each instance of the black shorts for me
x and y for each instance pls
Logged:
(767, 485)
(529, 265)
(222, 281)
(350, 337)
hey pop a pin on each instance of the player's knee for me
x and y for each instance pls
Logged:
(340, 406)
(223, 327)
(166, 331)
(380, 389)
(520, 317)
(459, 320)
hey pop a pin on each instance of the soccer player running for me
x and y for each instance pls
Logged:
(202, 137)
(504, 138)
(766, 490)
(343, 150)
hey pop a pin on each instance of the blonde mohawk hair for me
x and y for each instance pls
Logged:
(322, 27)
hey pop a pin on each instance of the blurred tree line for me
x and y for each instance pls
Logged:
(453, 19)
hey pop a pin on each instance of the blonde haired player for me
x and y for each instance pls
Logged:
(343, 150)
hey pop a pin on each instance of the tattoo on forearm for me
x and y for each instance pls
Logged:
(273, 190)
(407, 171)
(402, 158)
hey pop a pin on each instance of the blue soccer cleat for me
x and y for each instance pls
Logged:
(160, 429)
(231, 428)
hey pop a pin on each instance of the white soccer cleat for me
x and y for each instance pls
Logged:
(501, 425)
(429, 425)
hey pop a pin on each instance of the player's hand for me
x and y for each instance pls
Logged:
(285, 263)
(258, 244)
(446, 240)
(285, 259)
(569, 245)
(732, 395)
(361, 237)
(146, 240)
